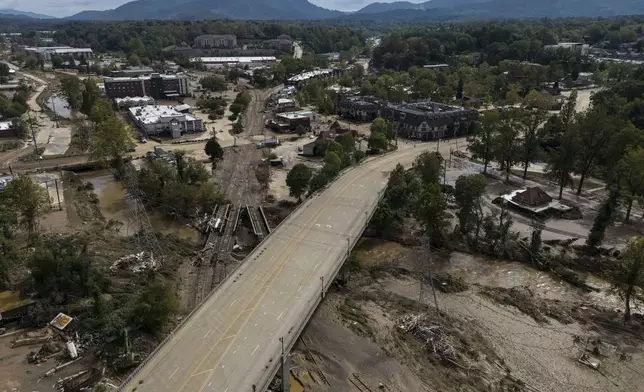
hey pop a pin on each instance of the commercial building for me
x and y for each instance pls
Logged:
(159, 119)
(129, 102)
(286, 105)
(576, 47)
(283, 43)
(216, 41)
(293, 119)
(132, 72)
(47, 52)
(420, 120)
(157, 86)
(251, 61)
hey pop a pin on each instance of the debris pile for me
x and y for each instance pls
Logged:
(136, 262)
(432, 335)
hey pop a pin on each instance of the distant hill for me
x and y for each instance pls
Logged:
(500, 9)
(375, 8)
(25, 14)
(211, 9)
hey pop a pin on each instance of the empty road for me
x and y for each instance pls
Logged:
(231, 342)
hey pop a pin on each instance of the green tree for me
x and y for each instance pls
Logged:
(482, 141)
(594, 133)
(238, 127)
(561, 160)
(56, 62)
(604, 218)
(530, 124)
(153, 306)
(31, 201)
(318, 181)
(379, 125)
(468, 194)
(71, 89)
(110, 143)
(332, 163)
(90, 95)
(213, 83)
(20, 128)
(134, 60)
(631, 177)
(507, 144)
(377, 141)
(630, 273)
(298, 179)
(429, 165)
(300, 130)
(101, 110)
(431, 213)
(236, 108)
(214, 150)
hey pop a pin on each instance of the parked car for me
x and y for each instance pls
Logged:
(144, 139)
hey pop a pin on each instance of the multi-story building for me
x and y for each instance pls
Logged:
(216, 41)
(47, 52)
(576, 47)
(250, 61)
(420, 120)
(132, 71)
(158, 119)
(157, 86)
(283, 43)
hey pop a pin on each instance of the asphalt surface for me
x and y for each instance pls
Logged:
(231, 342)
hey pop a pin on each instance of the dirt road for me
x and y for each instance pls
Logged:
(254, 119)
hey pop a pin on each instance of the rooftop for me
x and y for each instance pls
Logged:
(309, 75)
(241, 59)
(152, 114)
(5, 125)
(143, 77)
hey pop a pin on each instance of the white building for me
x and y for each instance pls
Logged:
(577, 47)
(158, 119)
(251, 61)
(5, 126)
(47, 52)
(129, 102)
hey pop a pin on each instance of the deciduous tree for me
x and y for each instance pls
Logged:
(631, 177)
(482, 141)
(28, 199)
(298, 179)
(468, 193)
(214, 150)
(630, 273)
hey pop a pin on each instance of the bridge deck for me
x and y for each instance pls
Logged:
(231, 342)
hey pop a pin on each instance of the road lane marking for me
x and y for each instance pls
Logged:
(173, 373)
(231, 305)
(254, 350)
(280, 316)
(207, 333)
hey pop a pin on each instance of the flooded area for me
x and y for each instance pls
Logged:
(494, 273)
(114, 203)
(58, 105)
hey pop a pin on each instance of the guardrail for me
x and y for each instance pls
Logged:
(207, 297)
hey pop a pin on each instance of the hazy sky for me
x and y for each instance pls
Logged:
(69, 7)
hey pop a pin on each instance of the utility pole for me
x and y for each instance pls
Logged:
(33, 133)
(53, 107)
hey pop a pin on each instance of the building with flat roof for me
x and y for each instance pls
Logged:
(576, 47)
(129, 102)
(424, 120)
(251, 61)
(132, 71)
(47, 52)
(216, 41)
(159, 119)
(316, 74)
(157, 86)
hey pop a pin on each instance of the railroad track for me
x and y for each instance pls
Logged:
(205, 270)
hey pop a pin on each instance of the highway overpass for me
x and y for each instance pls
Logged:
(232, 340)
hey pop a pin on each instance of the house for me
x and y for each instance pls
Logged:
(532, 197)
(293, 119)
(534, 200)
(5, 128)
(333, 134)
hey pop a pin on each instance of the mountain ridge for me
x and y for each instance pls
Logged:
(27, 14)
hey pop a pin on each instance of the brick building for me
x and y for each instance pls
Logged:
(157, 86)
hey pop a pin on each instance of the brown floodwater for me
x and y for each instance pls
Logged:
(114, 203)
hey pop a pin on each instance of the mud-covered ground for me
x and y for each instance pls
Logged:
(501, 326)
